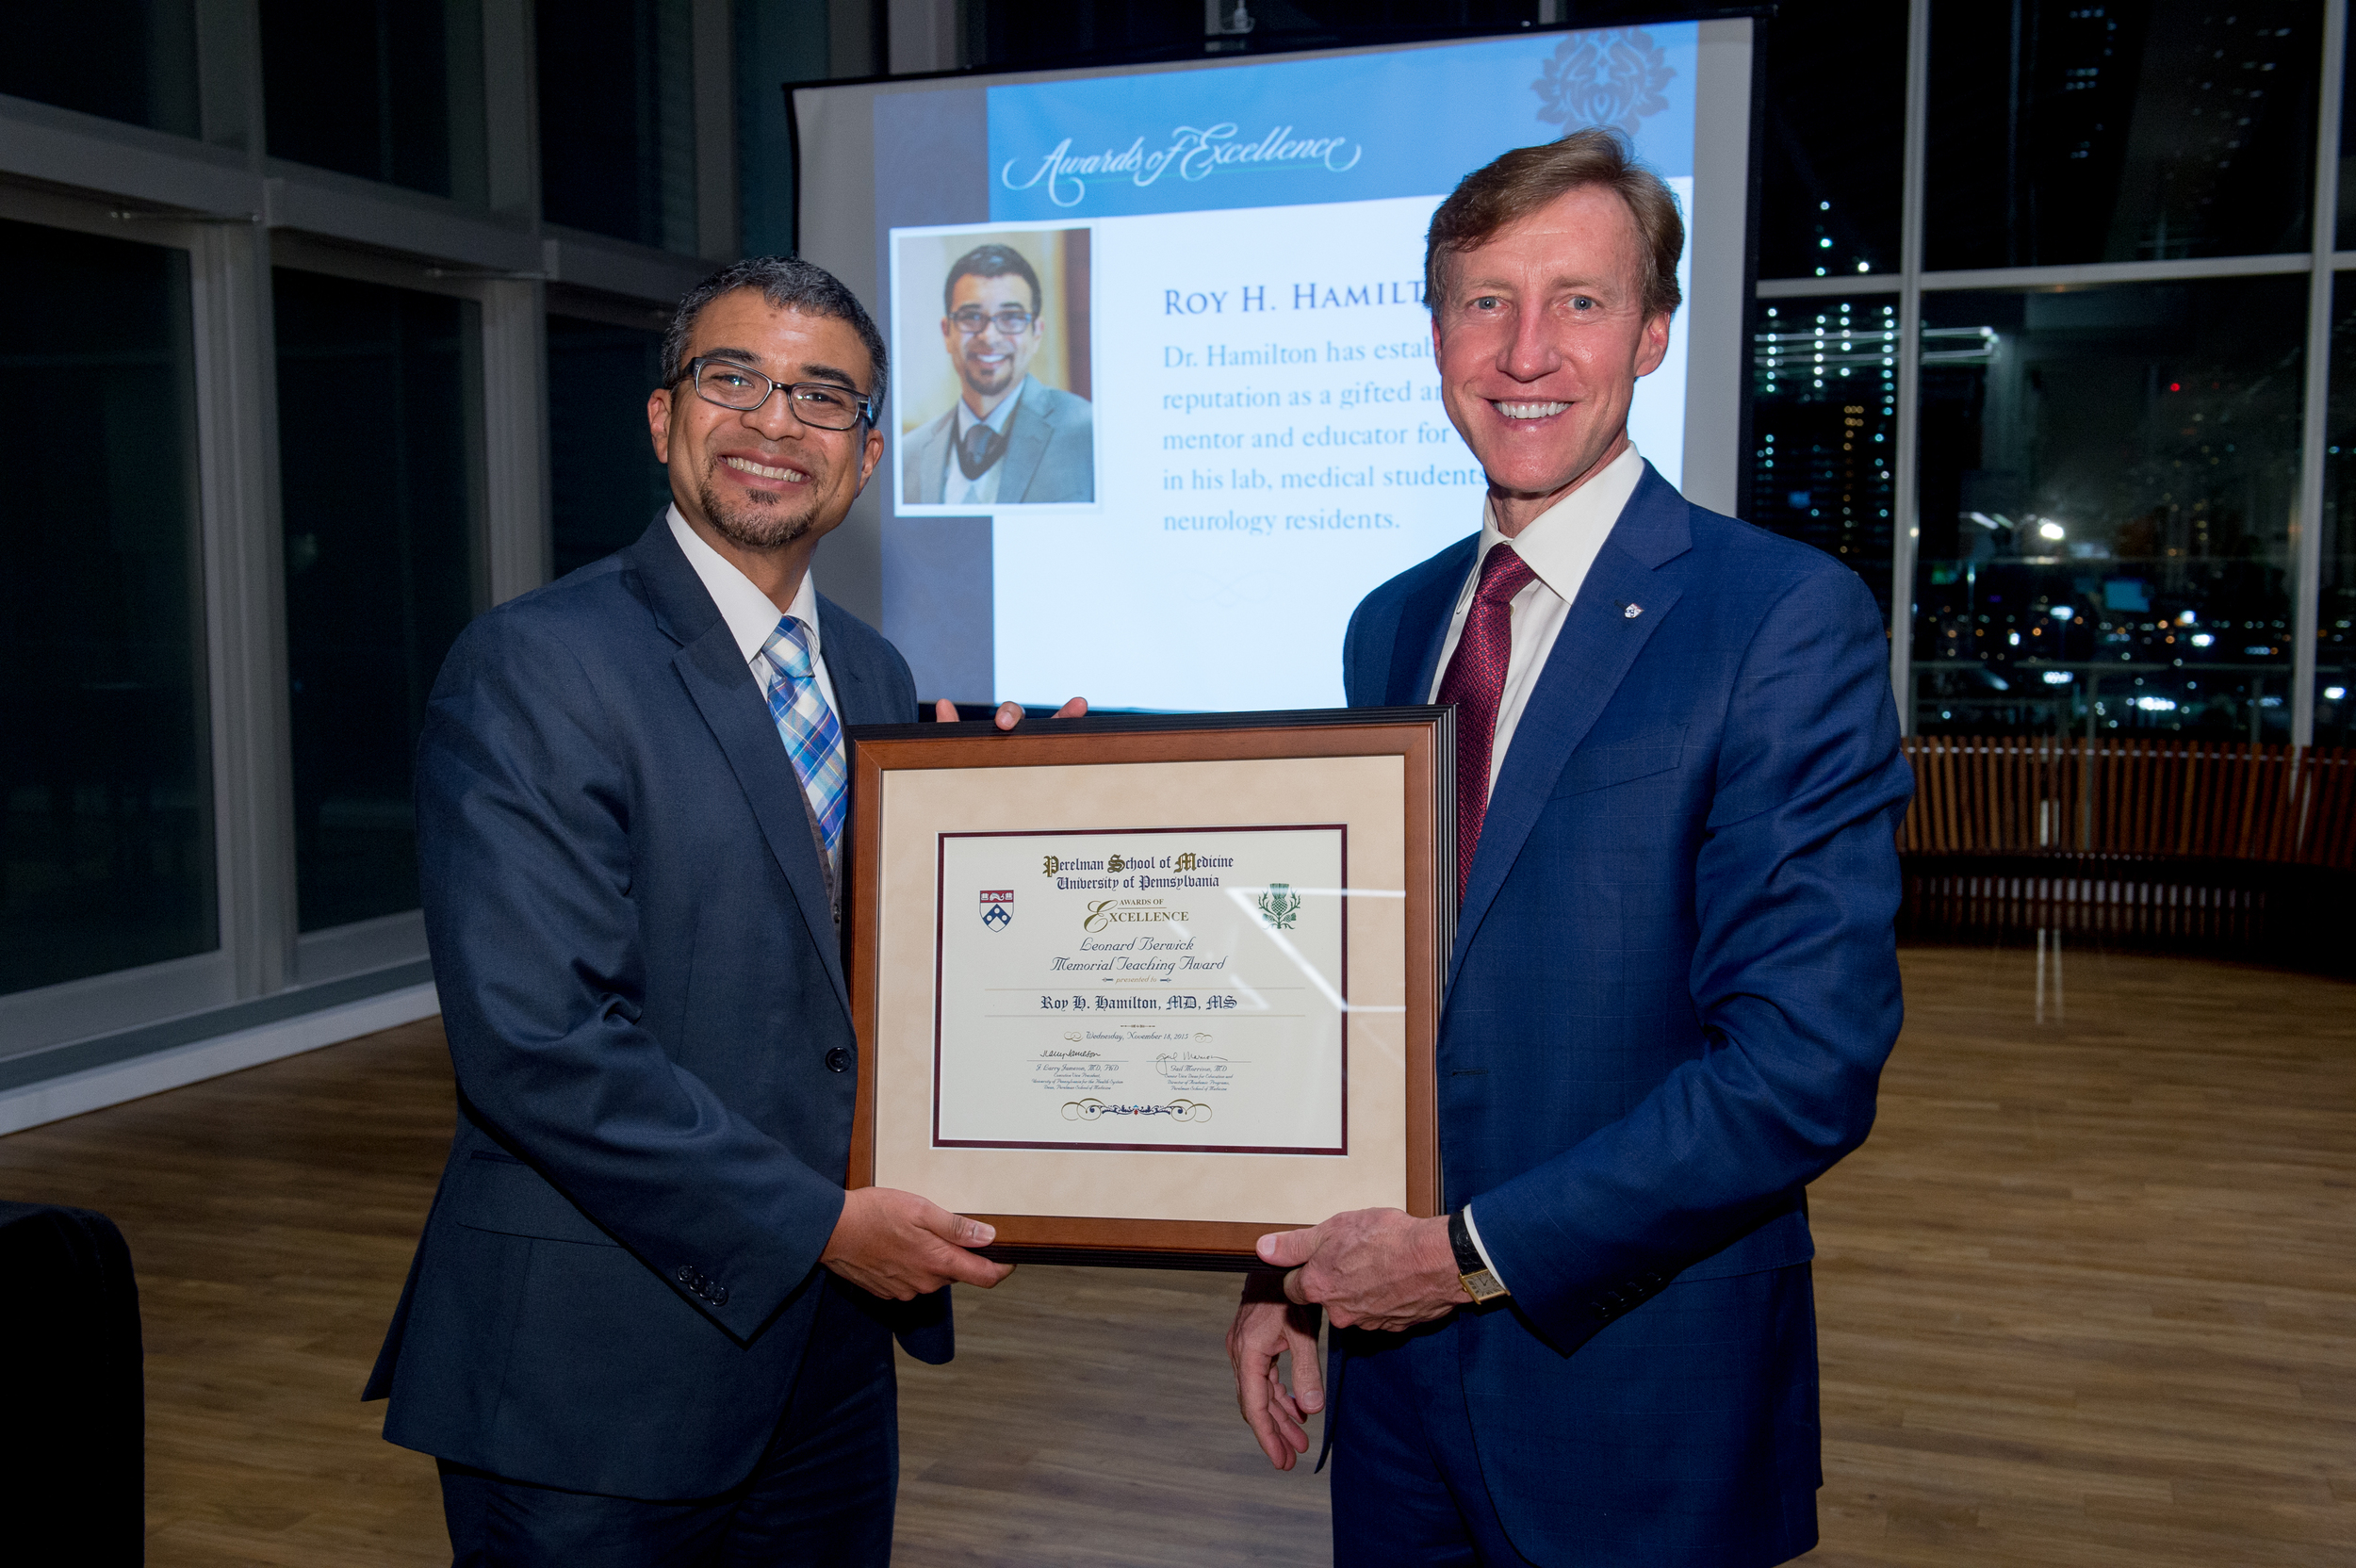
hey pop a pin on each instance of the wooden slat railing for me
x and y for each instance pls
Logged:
(2172, 798)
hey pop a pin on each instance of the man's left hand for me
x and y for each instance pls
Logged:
(1370, 1269)
(1010, 714)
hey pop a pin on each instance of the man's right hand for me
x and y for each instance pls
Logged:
(896, 1244)
(1266, 1327)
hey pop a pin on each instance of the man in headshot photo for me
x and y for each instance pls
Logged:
(1673, 979)
(646, 1324)
(1010, 440)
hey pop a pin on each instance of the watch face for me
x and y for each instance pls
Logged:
(1483, 1287)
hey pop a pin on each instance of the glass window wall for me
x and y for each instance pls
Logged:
(379, 429)
(202, 805)
(605, 485)
(2063, 132)
(2108, 480)
(1825, 407)
(1835, 151)
(106, 842)
(617, 123)
(776, 40)
(2335, 605)
(2346, 206)
(133, 61)
(1018, 32)
(385, 89)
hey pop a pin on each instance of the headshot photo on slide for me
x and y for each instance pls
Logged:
(993, 370)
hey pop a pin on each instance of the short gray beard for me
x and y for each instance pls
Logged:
(772, 529)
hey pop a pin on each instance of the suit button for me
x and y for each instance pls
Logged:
(719, 1296)
(838, 1060)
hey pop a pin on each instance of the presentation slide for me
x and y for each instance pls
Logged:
(1163, 405)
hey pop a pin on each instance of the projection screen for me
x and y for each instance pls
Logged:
(1219, 426)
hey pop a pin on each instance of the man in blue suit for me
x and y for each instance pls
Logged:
(646, 1324)
(1674, 981)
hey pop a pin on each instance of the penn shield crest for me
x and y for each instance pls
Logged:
(997, 908)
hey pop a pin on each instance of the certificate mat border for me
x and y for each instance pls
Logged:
(1423, 737)
(940, 932)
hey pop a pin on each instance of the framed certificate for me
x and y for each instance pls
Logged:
(1141, 990)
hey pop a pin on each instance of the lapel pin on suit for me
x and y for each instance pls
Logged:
(1629, 611)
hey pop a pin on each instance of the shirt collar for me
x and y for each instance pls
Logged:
(998, 416)
(1563, 541)
(751, 617)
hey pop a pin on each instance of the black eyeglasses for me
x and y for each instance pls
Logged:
(819, 404)
(1012, 320)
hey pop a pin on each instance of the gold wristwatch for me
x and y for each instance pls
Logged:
(1479, 1282)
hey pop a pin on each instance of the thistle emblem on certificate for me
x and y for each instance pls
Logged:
(1174, 989)
(1278, 907)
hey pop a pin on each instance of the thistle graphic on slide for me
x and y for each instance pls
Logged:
(1279, 906)
(1612, 76)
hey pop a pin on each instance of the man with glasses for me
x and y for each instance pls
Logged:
(1009, 440)
(646, 1324)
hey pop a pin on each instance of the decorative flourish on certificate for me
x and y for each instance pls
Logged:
(1089, 1110)
(1180, 990)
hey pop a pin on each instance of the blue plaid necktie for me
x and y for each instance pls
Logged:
(808, 727)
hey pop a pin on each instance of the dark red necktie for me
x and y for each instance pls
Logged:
(1475, 681)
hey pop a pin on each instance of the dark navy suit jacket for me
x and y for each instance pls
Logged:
(642, 987)
(1673, 988)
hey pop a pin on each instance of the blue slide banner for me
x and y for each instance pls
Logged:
(1348, 128)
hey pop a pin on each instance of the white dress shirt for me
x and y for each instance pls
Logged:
(752, 619)
(1559, 545)
(958, 490)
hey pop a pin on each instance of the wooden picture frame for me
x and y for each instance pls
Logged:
(1368, 792)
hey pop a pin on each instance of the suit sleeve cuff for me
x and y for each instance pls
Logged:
(1472, 1229)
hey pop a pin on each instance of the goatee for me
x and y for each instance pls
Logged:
(764, 524)
(986, 384)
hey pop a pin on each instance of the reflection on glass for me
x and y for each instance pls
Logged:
(379, 415)
(2108, 479)
(617, 119)
(606, 485)
(2346, 208)
(1020, 32)
(1836, 139)
(107, 845)
(1825, 405)
(385, 89)
(2062, 132)
(788, 41)
(127, 59)
(2335, 604)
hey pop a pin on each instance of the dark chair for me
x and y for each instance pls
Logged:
(73, 1407)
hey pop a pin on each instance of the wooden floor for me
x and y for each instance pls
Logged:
(2088, 1296)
